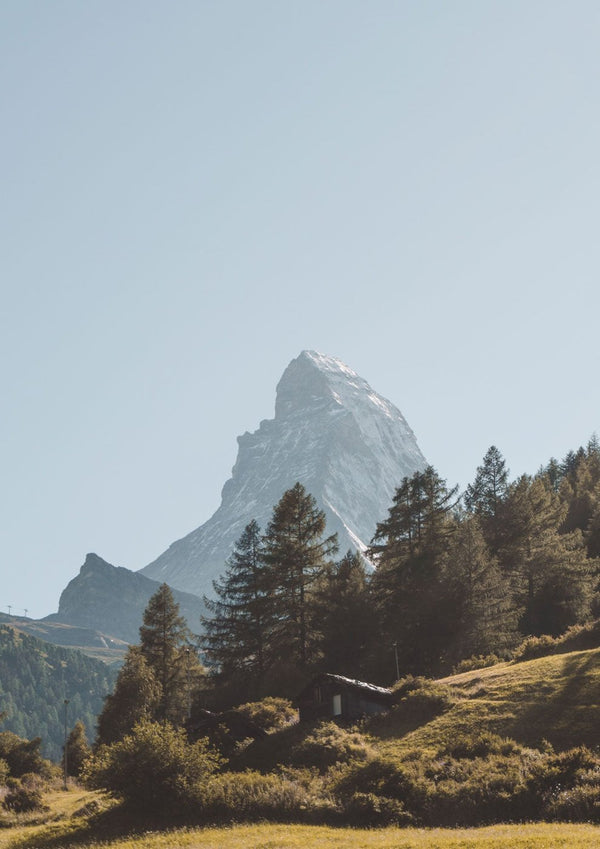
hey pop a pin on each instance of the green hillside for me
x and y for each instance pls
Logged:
(514, 742)
(554, 698)
(36, 678)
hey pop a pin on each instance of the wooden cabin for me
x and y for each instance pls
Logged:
(330, 696)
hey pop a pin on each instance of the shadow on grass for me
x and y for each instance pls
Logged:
(104, 827)
(403, 719)
(568, 716)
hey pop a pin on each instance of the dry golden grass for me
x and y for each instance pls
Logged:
(316, 837)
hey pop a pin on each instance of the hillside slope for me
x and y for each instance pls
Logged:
(554, 698)
(36, 678)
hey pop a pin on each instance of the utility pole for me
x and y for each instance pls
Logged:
(9, 608)
(65, 749)
(395, 644)
(189, 691)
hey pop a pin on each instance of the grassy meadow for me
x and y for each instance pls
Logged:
(71, 832)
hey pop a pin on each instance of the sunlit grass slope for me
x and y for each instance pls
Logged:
(316, 837)
(554, 698)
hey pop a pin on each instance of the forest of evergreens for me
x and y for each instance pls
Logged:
(456, 577)
(35, 680)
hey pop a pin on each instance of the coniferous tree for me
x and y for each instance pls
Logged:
(580, 491)
(552, 471)
(167, 647)
(136, 697)
(486, 495)
(236, 635)
(409, 547)
(296, 555)
(77, 749)
(342, 617)
(551, 577)
(485, 619)
(159, 677)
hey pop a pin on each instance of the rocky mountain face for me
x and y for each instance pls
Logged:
(347, 445)
(112, 600)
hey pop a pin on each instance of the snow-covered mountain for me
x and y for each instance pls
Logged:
(346, 444)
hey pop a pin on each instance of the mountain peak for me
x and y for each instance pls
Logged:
(347, 445)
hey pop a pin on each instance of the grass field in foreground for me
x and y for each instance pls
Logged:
(535, 836)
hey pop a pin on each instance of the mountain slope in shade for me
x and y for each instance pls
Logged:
(347, 445)
(112, 600)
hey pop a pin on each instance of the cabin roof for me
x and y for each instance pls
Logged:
(380, 694)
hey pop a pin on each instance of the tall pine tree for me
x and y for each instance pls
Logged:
(484, 620)
(486, 495)
(343, 621)
(296, 555)
(551, 577)
(236, 634)
(407, 586)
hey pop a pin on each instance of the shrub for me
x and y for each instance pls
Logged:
(478, 746)
(153, 769)
(23, 796)
(421, 699)
(558, 771)
(367, 809)
(328, 744)
(270, 713)
(575, 638)
(23, 755)
(251, 796)
(379, 776)
(534, 647)
(479, 661)
(407, 685)
(576, 804)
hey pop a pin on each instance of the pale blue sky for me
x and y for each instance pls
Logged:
(194, 192)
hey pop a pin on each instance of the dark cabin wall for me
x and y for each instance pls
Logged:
(317, 702)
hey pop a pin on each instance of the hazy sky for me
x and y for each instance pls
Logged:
(193, 192)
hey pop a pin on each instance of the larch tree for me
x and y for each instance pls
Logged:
(296, 555)
(167, 646)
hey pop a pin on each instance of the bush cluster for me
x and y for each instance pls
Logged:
(477, 661)
(278, 797)
(24, 795)
(575, 638)
(328, 744)
(473, 779)
(154, 769)
(271, 713)
(481, 779)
